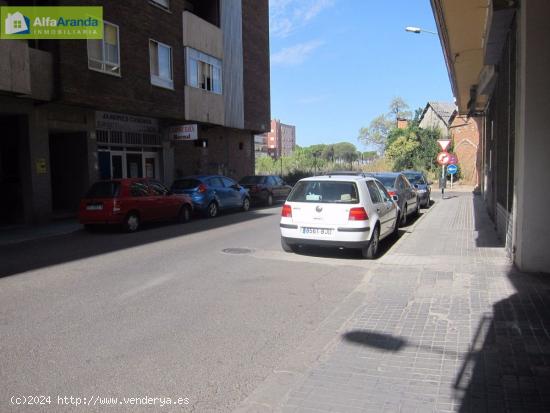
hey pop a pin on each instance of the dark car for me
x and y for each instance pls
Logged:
(397, 184)
(266, 188)
(422, 185)
(129, 202)
(211, 194)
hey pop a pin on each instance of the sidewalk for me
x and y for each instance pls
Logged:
(17, 234)
(446, 324)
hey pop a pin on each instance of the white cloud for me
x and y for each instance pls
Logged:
(295, 55)
(288, 15)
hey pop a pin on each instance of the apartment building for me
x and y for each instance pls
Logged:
(281, 139)
(175, 87)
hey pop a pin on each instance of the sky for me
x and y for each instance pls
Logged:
(337, 64)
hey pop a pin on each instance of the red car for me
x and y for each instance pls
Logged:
(129, 202)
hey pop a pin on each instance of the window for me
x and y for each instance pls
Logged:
(228, 183)
(384, 192)
(104, 55)
(157, 188)
(160, 58)
(326, 192)
(374, 192)
(204, 71)
(165, 4)
(215, 183)
(139, 189)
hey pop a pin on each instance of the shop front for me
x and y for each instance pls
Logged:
(128, 146)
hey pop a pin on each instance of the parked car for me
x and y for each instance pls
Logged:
(338, 211)
(397, 184)
(211, 194)
(422, 184)
(266, 189)
(130, 202)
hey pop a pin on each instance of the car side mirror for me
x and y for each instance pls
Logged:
(395, 198)
(236, 186)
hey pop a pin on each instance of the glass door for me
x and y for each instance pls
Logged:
(151, 165)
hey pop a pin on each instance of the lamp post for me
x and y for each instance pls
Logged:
(418, 30)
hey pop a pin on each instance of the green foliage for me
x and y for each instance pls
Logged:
(377, 132)
(399, 109)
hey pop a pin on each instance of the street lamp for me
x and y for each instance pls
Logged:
(418, 30)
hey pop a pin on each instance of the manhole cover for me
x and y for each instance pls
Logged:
(238, 251)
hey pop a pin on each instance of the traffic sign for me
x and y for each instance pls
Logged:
(444, 143)
(452, 169)
(443, 158)
(453, 159)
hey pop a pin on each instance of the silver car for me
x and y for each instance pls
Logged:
(397, 184)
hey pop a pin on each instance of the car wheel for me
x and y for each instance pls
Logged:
(246, 204)
(404, 216)
(428, 201)
(369, 252)
(286, 246)
(417, 211)
(269, 200)
(184, 214)
(212, 210)
(131, 223)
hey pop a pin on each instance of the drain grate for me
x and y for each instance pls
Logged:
(238, 251)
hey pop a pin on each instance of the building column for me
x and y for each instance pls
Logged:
(532, 154)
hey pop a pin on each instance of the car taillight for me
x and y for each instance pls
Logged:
(287, 211)
(254, 188)
(392, 193)
(116, 206)
(358, 214)
(202, 188)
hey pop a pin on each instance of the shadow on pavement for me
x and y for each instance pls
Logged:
(31, 255)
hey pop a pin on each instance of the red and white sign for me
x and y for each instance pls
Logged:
(443, 158)
(453, 160)
(444, 143)
(184, 133)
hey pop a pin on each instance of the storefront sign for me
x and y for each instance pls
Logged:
(125, 123)
(53, 22)
(184, 133)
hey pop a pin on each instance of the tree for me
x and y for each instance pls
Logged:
(377, 132)
(402, 152)
(399, 109)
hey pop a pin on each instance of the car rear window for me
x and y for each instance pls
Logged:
(186, 184)
(247, 180)
(387, 181)
(104, 190)
(326, 192)
(415, 178)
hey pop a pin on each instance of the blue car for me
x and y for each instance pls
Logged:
(422, 185)
(211, 194)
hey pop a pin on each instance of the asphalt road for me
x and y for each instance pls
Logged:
(161, 313)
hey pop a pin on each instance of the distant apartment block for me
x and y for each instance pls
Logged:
(280, 140)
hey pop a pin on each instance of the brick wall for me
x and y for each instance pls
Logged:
(257, 108)
(229, 152)
(465, 134)
(138, 22)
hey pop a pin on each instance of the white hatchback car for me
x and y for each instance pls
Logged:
(339, 211)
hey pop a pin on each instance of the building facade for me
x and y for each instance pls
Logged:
(498, 64)
(280, 140)
(174, 88)
(465, 132)
(438, 115)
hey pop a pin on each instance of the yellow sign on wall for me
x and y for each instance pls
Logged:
(41, 166)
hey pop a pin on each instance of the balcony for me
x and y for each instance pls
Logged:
(204, 106)
(202, 35)
(24, 71)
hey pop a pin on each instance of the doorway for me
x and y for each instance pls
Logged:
(69, 171)
(11, 206)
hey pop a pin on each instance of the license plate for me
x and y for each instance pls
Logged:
(316, 231)
(96, 207)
